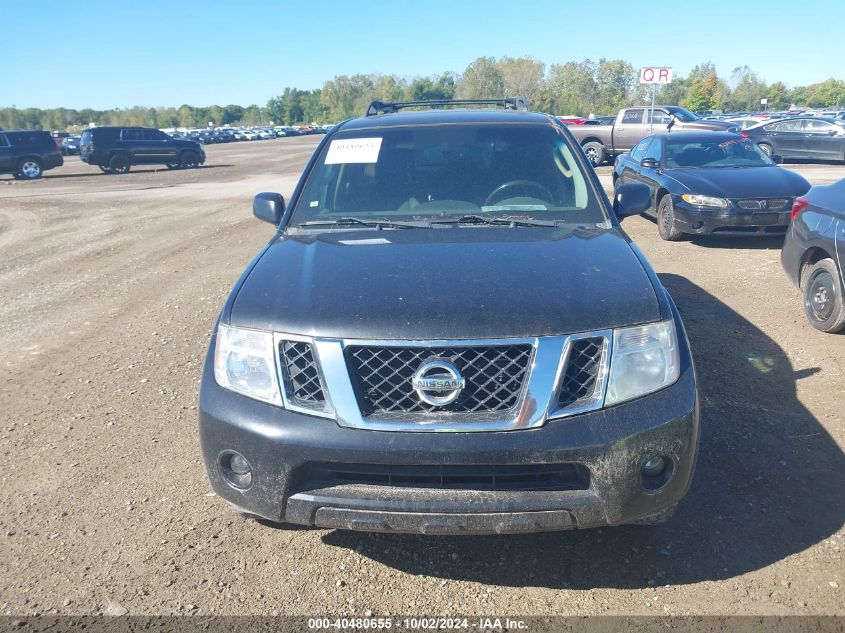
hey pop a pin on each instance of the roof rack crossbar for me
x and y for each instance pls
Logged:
(381, 107)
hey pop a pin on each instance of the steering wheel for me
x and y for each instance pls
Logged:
(529, 184)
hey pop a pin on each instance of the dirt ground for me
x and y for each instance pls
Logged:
(110, 286)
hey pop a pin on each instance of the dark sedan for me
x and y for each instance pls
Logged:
(812, 137)
(814, 252)
(711, 182)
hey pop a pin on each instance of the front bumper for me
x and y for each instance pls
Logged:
(731, 221)
(610, 444)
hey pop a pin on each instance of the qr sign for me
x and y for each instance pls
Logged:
(655, 75)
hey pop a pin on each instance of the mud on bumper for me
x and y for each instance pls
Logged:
(577, 472)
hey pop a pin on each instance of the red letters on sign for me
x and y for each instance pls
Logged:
(663, 76)
(648, 74)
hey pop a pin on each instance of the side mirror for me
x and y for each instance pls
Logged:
(777, 159)
(649, 163)
(632, 199)
(268, 207)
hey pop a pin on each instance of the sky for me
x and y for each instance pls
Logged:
(97, 54)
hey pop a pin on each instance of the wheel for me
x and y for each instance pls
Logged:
(29, 169)
(660, 517)
(767, 149)
(666, 220)
(824, 303)
(104, 169)
(595, 152)
(173, 165)
(119, 164)
(189, 160)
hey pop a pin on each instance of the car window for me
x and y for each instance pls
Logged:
(660, 116)
(721, 152)
(633, 115)
(639, 149)
(155, 135)
(3, 141)
(31, 139)
(429, 172)
(785, 126)
(817, 127)
(132, 134)
(653, 150)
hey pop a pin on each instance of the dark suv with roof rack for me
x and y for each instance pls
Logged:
(116, 149)
(450, 333)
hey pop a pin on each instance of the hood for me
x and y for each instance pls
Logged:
(741, 182)
(452, 283)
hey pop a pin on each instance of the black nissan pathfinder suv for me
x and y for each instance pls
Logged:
(27, 154)
(115, 149)
(450, 333)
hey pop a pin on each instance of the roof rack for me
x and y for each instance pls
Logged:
(511, 103)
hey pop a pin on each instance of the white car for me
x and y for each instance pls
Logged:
(250, 135)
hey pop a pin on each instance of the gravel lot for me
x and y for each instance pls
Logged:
(110, 286)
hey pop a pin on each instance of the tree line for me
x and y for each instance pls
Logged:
(570, 88)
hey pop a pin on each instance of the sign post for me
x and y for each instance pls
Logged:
(654, 75)
(765, 102)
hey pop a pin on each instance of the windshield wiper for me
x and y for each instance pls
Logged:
(379, 224)
(512, 221)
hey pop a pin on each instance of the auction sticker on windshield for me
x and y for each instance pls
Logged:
(353, 150)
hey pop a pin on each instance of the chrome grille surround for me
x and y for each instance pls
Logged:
(537, 402)
(300, 376)
(586, 364)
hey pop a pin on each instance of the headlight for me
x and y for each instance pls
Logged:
(244, 362)
(705, 201)
(644, 359)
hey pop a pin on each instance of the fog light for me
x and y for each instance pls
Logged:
(239, 465)
(654, 467)
(697, 225)
(235, 469)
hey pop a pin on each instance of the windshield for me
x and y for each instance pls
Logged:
(683, 115)
(733, 152)
(448, 171)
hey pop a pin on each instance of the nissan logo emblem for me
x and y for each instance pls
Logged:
(438, 382)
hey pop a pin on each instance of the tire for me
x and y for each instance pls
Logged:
(595, 152)
(30, 169)
(104, 169)
(768, 150)
(174, 165)
(660, 517)
(189, 160)
(666, 220)
(824, 303)
(119, 164)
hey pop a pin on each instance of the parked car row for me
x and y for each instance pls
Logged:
(231, 134)
(703, 183)
(604, 141)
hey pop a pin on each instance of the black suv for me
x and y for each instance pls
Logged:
(28, 153)
(450, 333)
(116, 149)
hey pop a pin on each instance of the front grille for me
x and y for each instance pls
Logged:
(580, 380)
(763, 203)
(301, 374)
(495, 376)
(505, 478)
